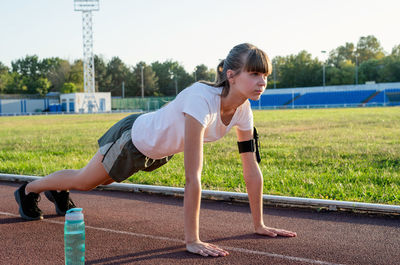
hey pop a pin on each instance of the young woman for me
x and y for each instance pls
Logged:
(203, 112)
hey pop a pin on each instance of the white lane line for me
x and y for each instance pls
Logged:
(124, 232)
(242, 250)
(11, 214)
(273, 255)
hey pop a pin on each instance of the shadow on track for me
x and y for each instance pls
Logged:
(169, 253)
(14, 220)
(301, 213)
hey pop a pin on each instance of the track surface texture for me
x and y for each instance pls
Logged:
(136, 228)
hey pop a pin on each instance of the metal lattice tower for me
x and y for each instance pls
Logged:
(87, 6)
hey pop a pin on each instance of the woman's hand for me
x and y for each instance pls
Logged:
(273, 232)
(205, 249)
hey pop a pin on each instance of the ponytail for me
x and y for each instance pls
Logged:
(222, 80)
(220, 69)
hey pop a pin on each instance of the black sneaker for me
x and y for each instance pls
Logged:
(28, 204)
(61, 200)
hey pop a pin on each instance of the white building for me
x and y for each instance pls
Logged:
(86, 103)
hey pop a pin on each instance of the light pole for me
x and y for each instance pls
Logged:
(195, 74)
(176, 84)
(323, 70)
(274, 70)
(356, 69)
(141, 74)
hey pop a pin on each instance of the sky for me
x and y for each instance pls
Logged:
(192, 32)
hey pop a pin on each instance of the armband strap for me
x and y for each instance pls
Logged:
(257, 145)
(251, 146)
(246, 146)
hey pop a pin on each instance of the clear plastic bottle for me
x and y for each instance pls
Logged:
(74, 237)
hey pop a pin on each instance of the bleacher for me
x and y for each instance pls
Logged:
(334, 98)
(274, 100)
(390, 97)
(317, 99)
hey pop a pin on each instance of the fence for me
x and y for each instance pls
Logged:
(144, 104)
(24, 106)
(369, 95)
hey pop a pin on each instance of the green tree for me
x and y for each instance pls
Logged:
(28, 66)
(396, 51)
(42, 85)
(300, 70)
(5, 80)
(341, 54)
(28, 70)
(3, 68)
(369, 48)
(4, 77)
(182, 78)
(68, 88)
(48, 65)
(118, 72)
(369, 70)
(276, 75)
(172, 77)
(344, 74)
(34, 74)
(390, 69)
(58, 74)
(102, 80)
(76, 75)
(164, 76)
(132, 87)
(203, 73)
(150, 81)
(15, 84)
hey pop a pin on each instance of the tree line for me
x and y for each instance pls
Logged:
(30, 75)
(347, 64)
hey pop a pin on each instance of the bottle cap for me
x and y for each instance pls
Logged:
(74, 214)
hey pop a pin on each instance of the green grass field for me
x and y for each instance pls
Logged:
(342, 154)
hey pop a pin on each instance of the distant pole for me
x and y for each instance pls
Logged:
(123, 89)
(176, 84)
(356, 69)
(141, 74)
(195, 75)
(274, 76)
(384, 97)
(323, 70)
(292, 99)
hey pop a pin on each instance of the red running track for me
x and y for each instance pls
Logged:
(135, 228)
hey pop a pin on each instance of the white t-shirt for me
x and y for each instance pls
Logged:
(161, 133)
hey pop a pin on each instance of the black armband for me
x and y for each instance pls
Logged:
(251, 146)
(246, 146)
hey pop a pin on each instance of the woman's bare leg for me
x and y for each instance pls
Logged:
(87, 178)
(108, 182)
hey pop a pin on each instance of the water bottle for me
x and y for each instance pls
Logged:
(74, 237)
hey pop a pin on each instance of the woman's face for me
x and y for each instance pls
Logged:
(249, 84)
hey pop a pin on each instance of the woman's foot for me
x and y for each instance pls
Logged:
(28, 204)
(61, 200)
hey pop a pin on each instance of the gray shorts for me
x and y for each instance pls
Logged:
(121, 158)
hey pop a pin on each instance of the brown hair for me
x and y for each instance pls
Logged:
(242, 57)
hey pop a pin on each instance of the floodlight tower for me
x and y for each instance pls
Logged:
(87, 6)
